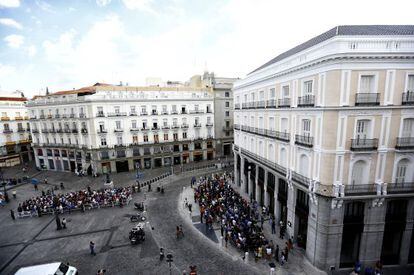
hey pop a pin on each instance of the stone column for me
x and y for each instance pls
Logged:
(113, 166)
(256, 184)
(249, 182)
(408, 234)
(131, 165)
(242, 179)
(371, 238)
(276, 210)
(236, 173)
(266, 196)
(291, 204)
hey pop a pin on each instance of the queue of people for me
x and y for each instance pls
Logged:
(60, 203)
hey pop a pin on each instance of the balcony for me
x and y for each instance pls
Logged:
(400, 187)
(364, 144)
(283, 136)
(209, 124)
(155, 128)
(74, 131)
(174, 112)
(35, 131)
(57, 116)
(18, 118)
(283, 103)
(306, 101)
(85, 131)
(133, 113)
(164, 113)
(184, 126)
(260, 104)
(116, 114)
(100, 114)
(271, 103)
(360, 189)
(175, 127)
(5, 118)
(134, 129)
(197, 125)
(73, 115)
(101, 131)
(404, 143)
(367, 99)
(49, 116)
(184, 112)
(67, 130)
(251, 105)
(236, 126)
(165, 127)
(237, 106)
(118, 130)
(227, 128)
(154, 113)
(42, 117)
(59, 130)
(21, 130)
(52, 130)
(245, 105)
(209, 111)
(302, 140)
(64, 116)
(408, 98)
(45, 131)
(7, 131)
(144, 129)
(33, 117)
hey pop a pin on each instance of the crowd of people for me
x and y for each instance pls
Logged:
(240, 221)
(59, 203)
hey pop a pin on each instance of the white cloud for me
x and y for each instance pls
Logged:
(142, 5)
(31, 50)
(9, 3)
(14, 40)
(6, 70)
(10, 23)
(45, 6)
(103, 3)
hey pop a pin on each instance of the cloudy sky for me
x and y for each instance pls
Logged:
(70, 44)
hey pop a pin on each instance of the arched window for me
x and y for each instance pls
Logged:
(271, 152)
(304, 165)
(283, 157)
(359, 173)
(403, 173)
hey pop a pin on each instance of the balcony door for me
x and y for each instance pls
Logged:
(367, 84)
(307, 88)
(362, 129)
(285, 92)
(306, 127)
(359, 173)
(304, 165)
(408, 128)
(401, 173)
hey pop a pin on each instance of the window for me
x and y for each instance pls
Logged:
(175, 136)
(307, 87)
(227, 104)
(410, 83)
(4, 114)
(261, 95)
(175, 121)
(134, 124)
(208, 108)
(69, 141)
(101, 127)
(119, 140)
(103, 141)
(116, 109)
(196, 107)
(144, 124)
(174, 108)
(184, 121)
(156, 140)
(184, 135)
(402, 168)
(271, 123)
(285, 91)
(118, 125)
(209, 120)
(154, 110)
(6, 127)
(408, 127)
(165, 137)
(226, 94)
(367, 84)
(196, 121)
(164, 109)
(306, 127)
(135, 139)
(145, 138)
(100, 110)
(183, 110)
(133, 110)
(227, 113)
(359, 173)
(165, 122)
(272, 93)
(362, 129)
(144, 110)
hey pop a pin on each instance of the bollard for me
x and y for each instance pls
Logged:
(246, 257)
(272, 271)
(222, 240)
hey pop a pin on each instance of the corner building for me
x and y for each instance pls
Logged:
(107, 128)
(324, 136)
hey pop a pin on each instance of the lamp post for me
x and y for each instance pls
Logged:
(6, 196)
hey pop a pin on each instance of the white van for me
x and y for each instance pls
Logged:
(48, 269)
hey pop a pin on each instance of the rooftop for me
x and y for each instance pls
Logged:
(355, 30)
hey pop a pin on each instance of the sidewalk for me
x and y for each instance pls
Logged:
(297, 264)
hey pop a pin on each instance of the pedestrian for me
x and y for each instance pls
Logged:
(58, 224)
(286, 253)
(226, 239)
(35, 187)
(181, 231)
(64, 223)
(12, 214)
(222, 229)
(277, 253)
(177, 232)
(92, 248)
(45, 181)
(282, 259)
(290, 244)
(273, 225)
(261, 221)
(190, 207)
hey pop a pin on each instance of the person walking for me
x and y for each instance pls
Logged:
(181, 231)
(177, 232)
(277, 253)
(92, 248)
(58, 223)
(12, 214)
(273, 226)
(35, 187)
(64, 223)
